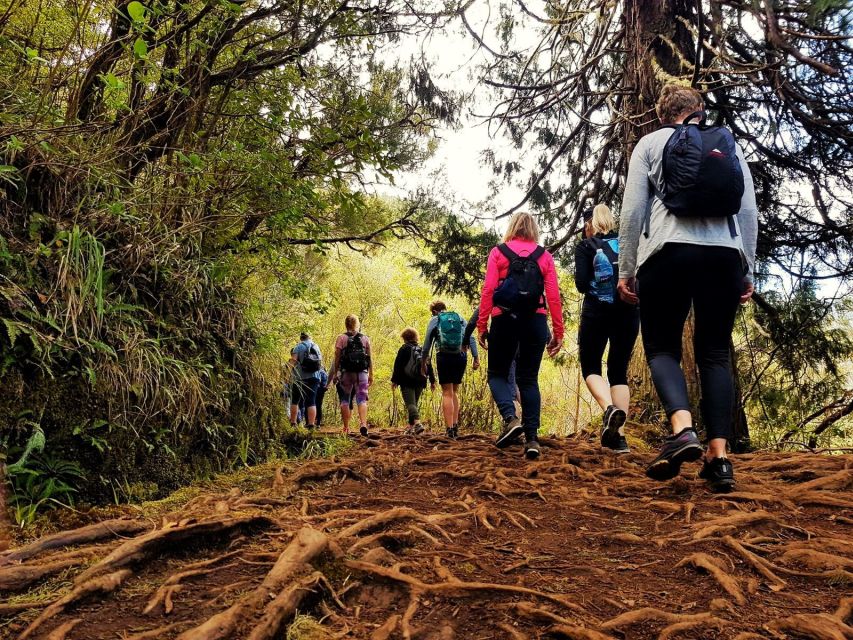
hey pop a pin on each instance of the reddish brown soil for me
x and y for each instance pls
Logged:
(428, 538)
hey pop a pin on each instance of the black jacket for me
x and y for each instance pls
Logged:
(584, 254)
(399, 376)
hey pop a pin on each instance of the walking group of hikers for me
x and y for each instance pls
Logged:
(686, 238)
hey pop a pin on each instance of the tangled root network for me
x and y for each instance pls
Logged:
(435, 539)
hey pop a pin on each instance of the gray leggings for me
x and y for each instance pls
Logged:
(411, 396)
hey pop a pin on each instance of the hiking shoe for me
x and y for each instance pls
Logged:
(363, 430)
(310, 427)
(613, 419)
(617, 444)
(676, 450)
(510, 433)
(448, 433)
(719, 474)
(531, 449)
(418, 428)
(455, 431)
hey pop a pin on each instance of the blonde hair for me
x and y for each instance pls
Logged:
(523, 225)
(351, 322)
(437, 306)
(410, 334)
(602, 220)
(675, 100)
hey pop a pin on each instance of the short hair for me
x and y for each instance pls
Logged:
(437, 306)
(351, 322)
(304, 336)
(523, 225)
(602, 220)
(410, 334)
(675, 100)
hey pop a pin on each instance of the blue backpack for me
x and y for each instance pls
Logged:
(451, 329)
(701, 175)
(605, 265)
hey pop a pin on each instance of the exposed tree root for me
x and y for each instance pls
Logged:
(169, 539)
(574, 632)
(384, 632)
(820, 626)
(708, 563)
(20, 577)
(284, 606)
(732, 523)
(396, 515)
(649, 614)
(90, 533)
(306, 546)
(172, 585)
(816, 559)
(103, 584)
(758, 563)
(460, 588)
(155, 634)
(62, 630)
(673, 630)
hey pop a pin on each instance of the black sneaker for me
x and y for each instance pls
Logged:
(618, 444)
(449, 433)
(363, 430)
(455, 431)
(418, 428)
(676, 450)
(719, 474)
(531, 449)
(510, 433)
(614, 418)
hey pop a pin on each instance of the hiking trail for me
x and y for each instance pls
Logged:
(429, 538)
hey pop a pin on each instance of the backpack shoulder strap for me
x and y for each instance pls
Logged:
(538, 252)
(508, 253)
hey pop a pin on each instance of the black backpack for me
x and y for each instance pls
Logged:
(701, 174)
(413, 365)
(523, 288)
(311, 361)
(353, 355)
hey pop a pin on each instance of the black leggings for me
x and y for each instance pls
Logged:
(601, 322)
(711, 279)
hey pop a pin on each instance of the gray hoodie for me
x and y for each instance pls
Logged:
(635, 248)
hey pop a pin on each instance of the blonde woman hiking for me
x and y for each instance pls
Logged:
(352, 371)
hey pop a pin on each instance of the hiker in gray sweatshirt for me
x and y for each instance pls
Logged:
(668, 262)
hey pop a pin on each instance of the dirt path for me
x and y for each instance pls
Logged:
(429, 538)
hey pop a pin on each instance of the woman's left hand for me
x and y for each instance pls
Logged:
(554, 346)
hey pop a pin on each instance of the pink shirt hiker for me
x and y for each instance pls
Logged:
(497, 269)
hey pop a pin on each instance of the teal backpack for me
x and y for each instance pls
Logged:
(451, 329)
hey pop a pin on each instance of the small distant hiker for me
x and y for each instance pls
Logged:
(321, 394)
(605, 318)
(446, 330)
(519, 291)
(306, 361)
(687, 237)
(353, 369)
(407, 375)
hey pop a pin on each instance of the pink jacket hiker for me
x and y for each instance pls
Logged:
(497, 269)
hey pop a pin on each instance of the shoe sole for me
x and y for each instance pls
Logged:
(668, 468)
(531, 455)
(506, 439)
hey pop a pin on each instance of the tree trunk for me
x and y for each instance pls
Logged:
(740, 442)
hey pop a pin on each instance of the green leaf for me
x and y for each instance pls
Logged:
(140, 49)
(136, 11)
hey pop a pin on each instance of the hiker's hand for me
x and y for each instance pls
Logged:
(554, 346)
(369, 379)
(393, 385)
(748, 290)
(423, 370)
(482, 340)
(627, 288)
(476, 364)
(432, 386)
